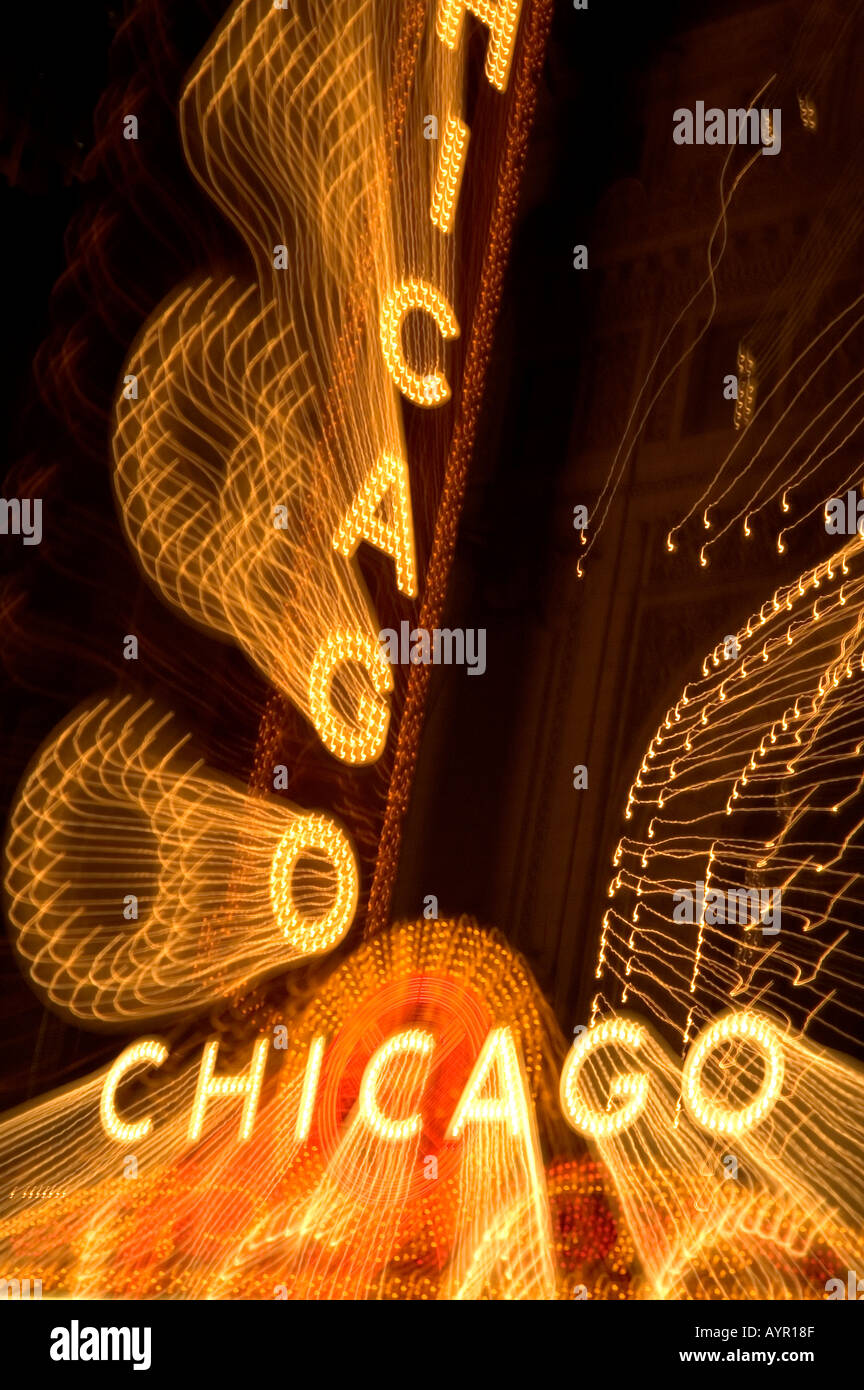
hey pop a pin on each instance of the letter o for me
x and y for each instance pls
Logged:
(314, 934)
(717, 1117)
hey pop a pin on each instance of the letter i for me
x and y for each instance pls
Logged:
(448, 175)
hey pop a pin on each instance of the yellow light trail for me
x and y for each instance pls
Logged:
(141, 884)
(268, 400)
(750, 784)
(332, 1196)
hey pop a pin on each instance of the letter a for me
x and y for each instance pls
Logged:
(498, 1057)
(501, 19)
(60, 1344)
(683, 910)
(682, 126)
(835, 516)
(362, 521)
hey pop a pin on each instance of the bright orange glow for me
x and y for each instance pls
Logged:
(313, 836)
(264, 442)
(299, 1189)
(210, 1085)
(502, 19)
(265, 403)
(719, 1118)
(123, 853)
(431, 388)
(413, 1043)
(600, 1123)
(148, 1051)
(362, 739)
(395, 537)
(448, 175)
(497, 1061)
(747, 792)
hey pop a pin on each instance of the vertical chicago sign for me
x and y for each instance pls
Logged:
(290, 448)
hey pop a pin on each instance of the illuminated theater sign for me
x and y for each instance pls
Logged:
(290, 454)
